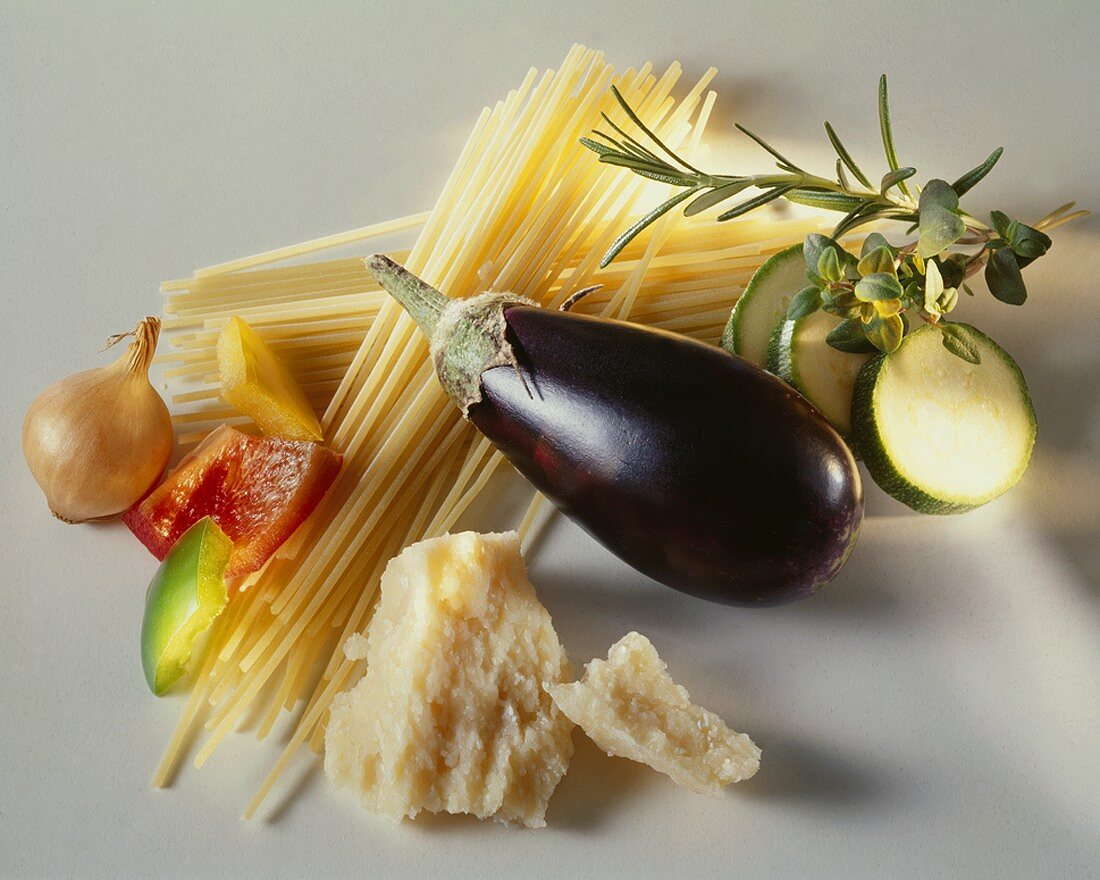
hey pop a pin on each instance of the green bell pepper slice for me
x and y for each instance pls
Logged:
(186, 595)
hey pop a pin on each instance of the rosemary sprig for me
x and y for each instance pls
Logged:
(872, 292)
(792, 182)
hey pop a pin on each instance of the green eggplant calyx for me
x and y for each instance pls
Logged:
(467, 335)
(472, 337)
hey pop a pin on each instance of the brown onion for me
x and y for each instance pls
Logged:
(97, 441)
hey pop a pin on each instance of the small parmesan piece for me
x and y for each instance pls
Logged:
(630, 706)
(452, 714)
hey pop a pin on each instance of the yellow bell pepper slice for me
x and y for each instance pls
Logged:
(256, 382)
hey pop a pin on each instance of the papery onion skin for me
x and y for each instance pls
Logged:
(97, 441)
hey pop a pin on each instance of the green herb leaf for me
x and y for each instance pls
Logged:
(840, 296)
(1028, 243)
(913, 295)
(874, 212)
(629, 111)
(828, 265)
(887, 131)
(783, 160)
(848, 336)
(643, 170)
(805, 302)
(1031, 247)
(824, 199)
(628, 145)
(885, 332)
(812, 248)
(939, 223)
(893, 178)
(850, 262)
(752, 204)
(878, 286)
(865, 209)
(840, 311)
(715, 196)
(1002, 223)
(938, 193)
(636, 145)
(881, 259)
(623, 240)
(953, 268)
(842, 303)
(1002, 274)
(597, 147)
(889, 307)
(845, 156)
(874, 241)
(933, 287)
(842, 177)
(958, 340)
(972, 177)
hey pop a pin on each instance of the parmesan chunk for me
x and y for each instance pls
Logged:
(452, 714)
(629, 706)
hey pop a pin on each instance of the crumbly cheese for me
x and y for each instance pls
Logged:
(630, 706)
(453, 714)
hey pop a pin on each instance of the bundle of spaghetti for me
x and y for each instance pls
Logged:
(525, 209)
(316, 323)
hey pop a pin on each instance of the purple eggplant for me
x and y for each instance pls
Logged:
(693, 465)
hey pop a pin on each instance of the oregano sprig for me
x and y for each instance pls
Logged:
(871, 293)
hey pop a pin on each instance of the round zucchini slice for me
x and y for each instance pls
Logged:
(764, 304)
(938, 433)
(799, 354)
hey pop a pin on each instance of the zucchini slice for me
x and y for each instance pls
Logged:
(799, 354)
(940, 434)
(764, 304)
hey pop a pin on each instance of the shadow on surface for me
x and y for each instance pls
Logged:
(595, 787)
(864, 590)
(1055, 345)
(794, 771)
(308, 775)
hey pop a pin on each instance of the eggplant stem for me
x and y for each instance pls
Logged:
(422, 301)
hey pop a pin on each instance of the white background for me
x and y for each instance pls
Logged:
(933, 713)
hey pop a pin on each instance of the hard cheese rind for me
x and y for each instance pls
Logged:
(630, 706)
(452, 714)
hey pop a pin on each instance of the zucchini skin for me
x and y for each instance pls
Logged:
(782, 361)
(871, 449)
(694, 466)
(731, 335)
(780, 348)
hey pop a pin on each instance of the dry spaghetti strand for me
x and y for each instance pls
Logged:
(525, 209)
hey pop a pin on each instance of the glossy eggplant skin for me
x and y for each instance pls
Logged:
(696, 467)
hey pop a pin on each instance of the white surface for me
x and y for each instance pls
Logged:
(933, 713)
